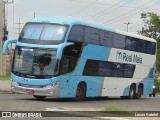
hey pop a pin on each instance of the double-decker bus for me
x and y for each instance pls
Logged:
(67, 58)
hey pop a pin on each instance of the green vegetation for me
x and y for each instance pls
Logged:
(7, 77)
(112, 108)
(157, 85)
(158, 94)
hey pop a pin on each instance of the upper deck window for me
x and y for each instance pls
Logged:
(106, 38)
(43, 33)
(91, 35)
(77, 34)
(119, 41)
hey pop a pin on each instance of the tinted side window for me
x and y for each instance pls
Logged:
(65, 65)
(131, 44)
(91, 35)
(119, 41)
(104, 69)
(91, 68)
(108, 69)
(72, 63)
(106, 38)
(128, 71)
(151, 48)
(77, 33)
(117, 70)
(68, 64)
(141, 46)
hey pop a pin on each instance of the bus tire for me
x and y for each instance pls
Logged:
(39, 97)
(139, 92)
(124, 97)
(132, 92)
(80, 92)
(154, 94)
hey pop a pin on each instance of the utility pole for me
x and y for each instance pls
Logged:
(5, 24)
(127, 25)
(34, 15)
(1, 33)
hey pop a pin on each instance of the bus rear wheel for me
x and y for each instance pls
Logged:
(80, 92)
(139, 92)
(132, 92)
(39, 97)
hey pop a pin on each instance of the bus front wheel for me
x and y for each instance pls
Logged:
(80, 92)
(39, 97)
(132, 92)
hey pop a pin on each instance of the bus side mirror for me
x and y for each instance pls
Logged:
(5, 45)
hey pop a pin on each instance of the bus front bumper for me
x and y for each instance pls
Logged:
(50, 91)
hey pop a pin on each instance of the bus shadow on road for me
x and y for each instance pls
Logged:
(74, 100)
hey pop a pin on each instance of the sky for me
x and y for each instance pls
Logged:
(113, 13)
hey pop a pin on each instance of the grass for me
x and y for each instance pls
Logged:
(158, 93)
(112, 108)
(7, 77)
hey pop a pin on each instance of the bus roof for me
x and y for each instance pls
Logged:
(72, 22)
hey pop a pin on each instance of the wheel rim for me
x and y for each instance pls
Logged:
(132, 92)
(79, 92)
(139, 93)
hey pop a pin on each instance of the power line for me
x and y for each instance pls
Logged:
(130, 15)
(104, 4)
(97, 3)
(114, 9)
(126, 13)
(104, 10)
(81, 1)
(90, 2)
(85, 7)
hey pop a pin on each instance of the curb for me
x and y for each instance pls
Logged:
(5, 86)
(6, 92)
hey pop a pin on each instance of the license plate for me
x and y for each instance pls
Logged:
(31, 92)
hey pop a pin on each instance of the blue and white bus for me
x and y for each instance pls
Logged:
(67, 58)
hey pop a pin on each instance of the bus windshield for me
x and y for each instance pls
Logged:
(43, 32)
(35, 62)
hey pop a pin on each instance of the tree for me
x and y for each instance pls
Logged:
(151, 28)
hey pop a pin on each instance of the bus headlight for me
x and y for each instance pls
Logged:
(51, 85)
(15, 83)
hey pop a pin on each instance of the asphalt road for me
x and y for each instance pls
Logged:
(19, 102)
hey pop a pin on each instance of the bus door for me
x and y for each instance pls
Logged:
(65, 77)
(67, 70)
(68, 63)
